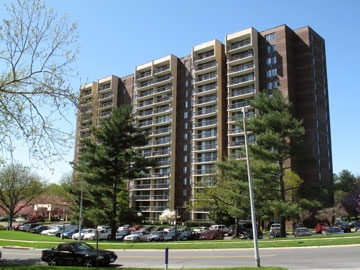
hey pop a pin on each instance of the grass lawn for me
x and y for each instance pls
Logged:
(25, 239)
(29, 240)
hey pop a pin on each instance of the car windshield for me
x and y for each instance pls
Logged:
(83, 246)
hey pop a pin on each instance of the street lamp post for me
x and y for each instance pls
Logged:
(252, 206)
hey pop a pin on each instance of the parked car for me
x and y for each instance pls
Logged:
(212, 235)
(217, 227)
(248, 234)
(171, 235)
(156, 236)
(200, 229)
(102, 235)
(27, 226)
(120, 235)
(137, 236)
(275, 230)
(320, 227)
(76, 236)
(189, 235)
(356, 225)
(69, 233)
(77, 253)
(39, 228)
(302, 231)
(345, 226)
(20, 219)
(332, 230)
(125, 227)
(56, 230)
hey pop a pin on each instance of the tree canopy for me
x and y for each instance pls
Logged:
(277, 135)
(38, 49)
(109, 158)
(18, 188)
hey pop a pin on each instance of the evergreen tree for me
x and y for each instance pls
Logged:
(108, 159)
(275, 187)
(278, 136)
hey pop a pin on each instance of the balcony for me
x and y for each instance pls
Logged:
(241, 80)
(161, 69)
(238, 45)
(236, 69)
(241, 91)
(205, 159)
(205, 123)
(240, 57)
(206, 146)
(104, 87)
(203, 56)
(205, 135)
(205, 111)
(146, 209)
(206, 88)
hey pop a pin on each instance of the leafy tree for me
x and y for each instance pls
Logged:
(278, 137)
(345, 184)
(38, 48)
(168, 216)
(18, 188)
(109, 158)
(351, 202)
(329, 214)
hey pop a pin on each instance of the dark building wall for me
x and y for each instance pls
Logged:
(301, 66)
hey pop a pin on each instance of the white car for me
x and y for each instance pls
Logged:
(138, 236)
(20, 219)
(102, 235)
(75, 236)
(46, 232)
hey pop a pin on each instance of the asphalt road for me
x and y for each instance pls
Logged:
(337, 257)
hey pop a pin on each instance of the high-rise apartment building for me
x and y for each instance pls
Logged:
(190, 106)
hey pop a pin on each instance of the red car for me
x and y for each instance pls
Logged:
(320, 227)
(212, 235)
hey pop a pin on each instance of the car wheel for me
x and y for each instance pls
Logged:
(88, 262)
(51, 261)
(137, 240)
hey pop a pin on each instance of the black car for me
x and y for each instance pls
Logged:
(77, 253)
(121, 235)
(39, 228)
(248, 234)
(345, 226)
(189, 235)
(69, 233)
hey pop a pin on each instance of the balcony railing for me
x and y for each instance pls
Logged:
(239, 44)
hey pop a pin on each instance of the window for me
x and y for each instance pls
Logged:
(270, 37)
(271, 61)
(272, 85)
(271, 73)
(271, 49)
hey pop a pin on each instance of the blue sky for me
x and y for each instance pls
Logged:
(117, 35)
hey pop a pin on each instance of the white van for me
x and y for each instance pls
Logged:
(217, 227)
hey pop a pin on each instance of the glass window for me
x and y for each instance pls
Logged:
(270, 37)
(271, 49)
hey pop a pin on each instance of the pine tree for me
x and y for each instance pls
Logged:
(109, 158)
